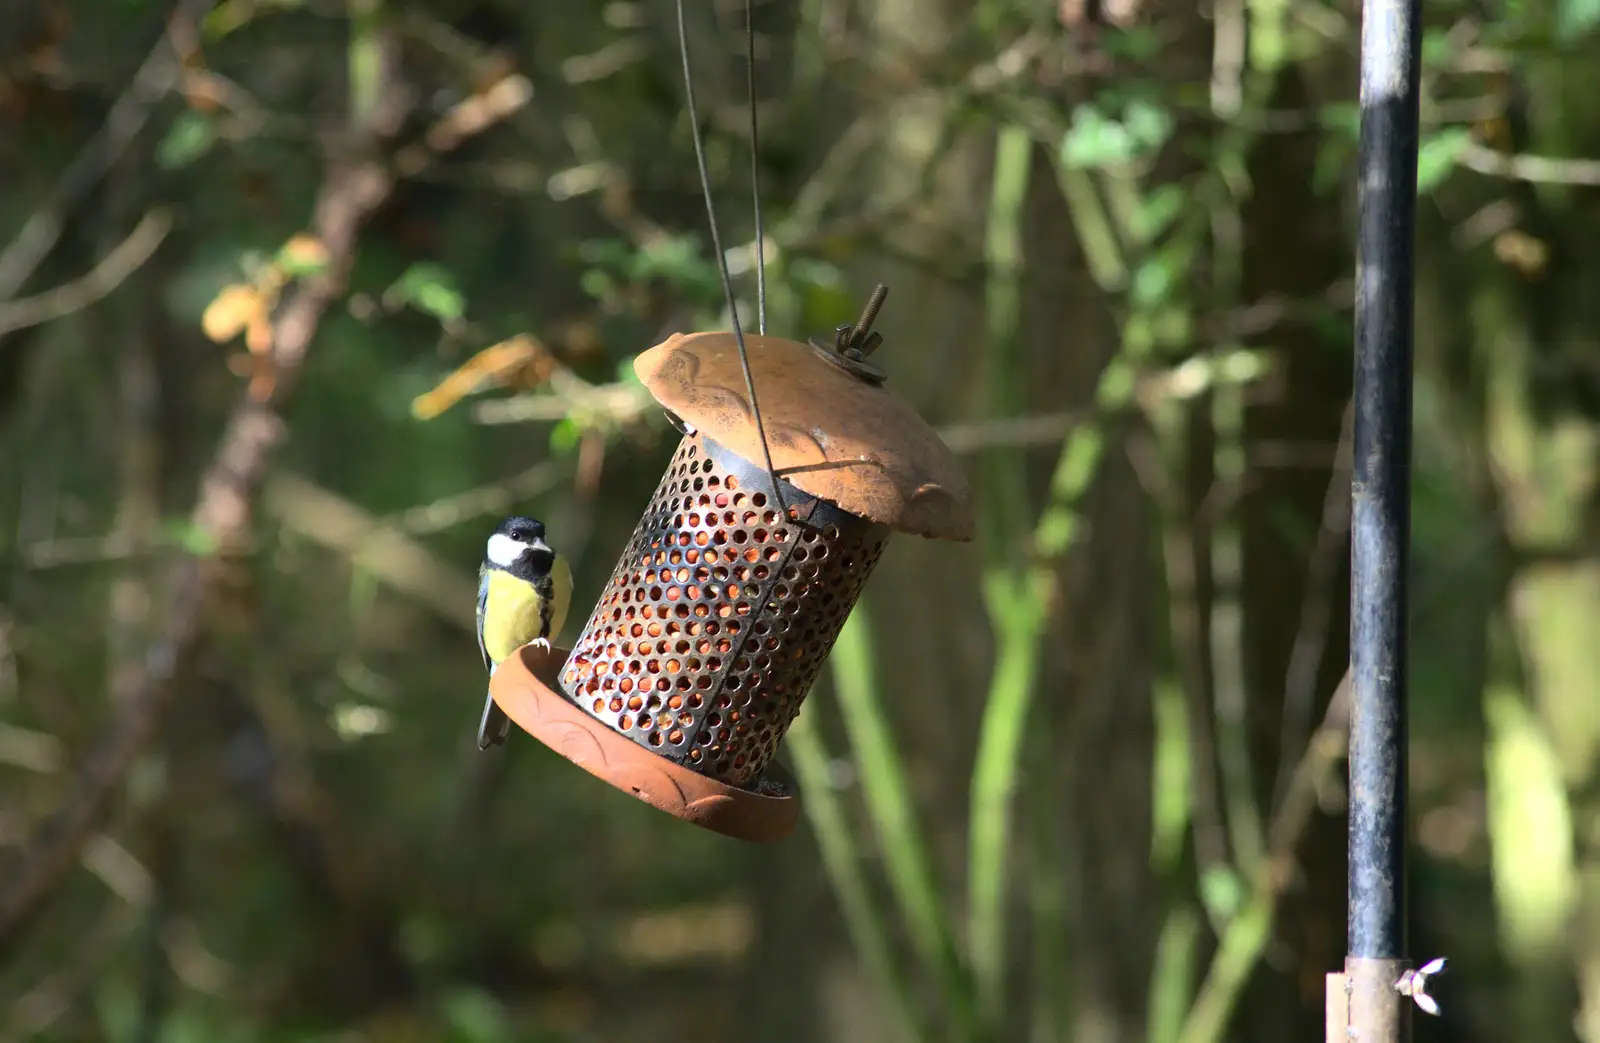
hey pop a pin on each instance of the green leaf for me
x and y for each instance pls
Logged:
(117, 1007)
(302, 257)
(1152, 282)
(1097, 140)
(299, 267)
(1221, 892)
(811, 272)
(193, 539)
(1342, 116)
(1172, 325)
(1138, 44)
(678, 260)
(190, 137)
(1157, 211)
(597, 284)
(1139, 332)
(1333, 156)
(564, 436)
(475, 1016)
(1148, 124)
(429, 288)
(1437, 157)
(1575, 18)
(611, 253)
(188, 1025)
(1437, 48)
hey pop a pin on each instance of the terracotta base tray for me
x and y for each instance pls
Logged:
(524, 686)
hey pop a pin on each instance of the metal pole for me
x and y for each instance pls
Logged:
(1381, 519)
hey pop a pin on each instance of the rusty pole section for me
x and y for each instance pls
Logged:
(1381, 521)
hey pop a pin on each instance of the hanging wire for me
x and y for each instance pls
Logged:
(755, 168)
(716, 246)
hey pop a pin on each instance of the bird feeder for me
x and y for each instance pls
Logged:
(726, 602)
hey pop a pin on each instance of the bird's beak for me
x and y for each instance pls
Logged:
(540, 545)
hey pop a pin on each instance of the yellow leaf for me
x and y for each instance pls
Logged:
(262, 383)
(201, 90)
(1522, 251)
(303, 254)
(258, 335)
(234, 308)
(498, 361)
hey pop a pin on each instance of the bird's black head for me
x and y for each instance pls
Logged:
(521, 529)
(517, 546)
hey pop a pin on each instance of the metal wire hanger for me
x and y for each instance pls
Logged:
(716, 235)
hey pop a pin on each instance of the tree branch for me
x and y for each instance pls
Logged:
(352, 190)
(357, 182)
(1540, 169)
(100, 280)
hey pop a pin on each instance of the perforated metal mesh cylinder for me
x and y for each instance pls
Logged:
(719, 614)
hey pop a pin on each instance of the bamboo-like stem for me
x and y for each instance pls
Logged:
(1171, 976)
(1010, 601)
(888, 800)
(841, 860)
(1230, 697)
(1020, 560)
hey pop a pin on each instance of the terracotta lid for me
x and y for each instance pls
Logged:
(832, 434)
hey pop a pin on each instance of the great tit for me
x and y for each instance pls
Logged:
(524, 588)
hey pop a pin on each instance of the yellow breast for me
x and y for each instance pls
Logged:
(513, 616)
(518, 612)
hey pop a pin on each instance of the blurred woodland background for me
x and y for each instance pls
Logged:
(298, 297)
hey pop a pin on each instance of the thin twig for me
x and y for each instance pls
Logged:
(1316, 606)
(1247, 932)
(617, 403)
(1542, 169)
(1230, 88)
(52, 998)
(379, 549)
(1315, 773)
(30, 750)
(113, 269)
(137, 516)
(1157, 460)
(479, 502)
(627, 403)
(83, 550)
(155, 77)
(422, 520)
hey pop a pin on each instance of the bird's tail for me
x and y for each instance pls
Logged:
(494, 726)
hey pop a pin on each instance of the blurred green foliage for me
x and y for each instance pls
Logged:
(1070, 783)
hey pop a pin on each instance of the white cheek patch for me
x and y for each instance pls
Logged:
(503, 550)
